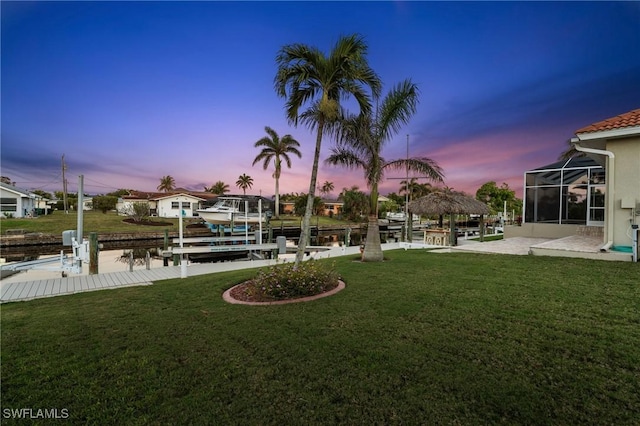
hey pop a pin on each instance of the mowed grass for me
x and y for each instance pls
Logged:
(93, 221)
(111, 222)
(422, 338)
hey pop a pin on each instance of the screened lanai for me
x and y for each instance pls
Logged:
(566, 192)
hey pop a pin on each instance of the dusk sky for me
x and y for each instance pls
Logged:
(132, 91)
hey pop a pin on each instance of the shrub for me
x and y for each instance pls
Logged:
(288, 282)
(138, 211)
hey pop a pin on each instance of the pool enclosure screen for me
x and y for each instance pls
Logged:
(566, 192)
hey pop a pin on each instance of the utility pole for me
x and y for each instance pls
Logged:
(406, 199)
(407, 221)
(64, 187)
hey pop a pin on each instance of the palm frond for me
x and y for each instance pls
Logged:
(423, 166)
(345, 157)
(397, 108)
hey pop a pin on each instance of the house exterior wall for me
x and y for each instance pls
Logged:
(24, 205)
(172, 206)
(331, 209)
(286, 208)
(627, 186)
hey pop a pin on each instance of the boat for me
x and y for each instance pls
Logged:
(230, 210)
(400, 217)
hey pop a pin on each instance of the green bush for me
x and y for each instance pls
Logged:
(288, 282)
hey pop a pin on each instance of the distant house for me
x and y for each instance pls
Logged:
(598, 194)
(163, 204)
(15, 202)
(332, 207)
(87, 203)
(172, 205)
(287, 207)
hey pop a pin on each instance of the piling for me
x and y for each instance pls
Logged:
(165, 259)
(94, 251)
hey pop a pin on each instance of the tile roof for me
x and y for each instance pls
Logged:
(629, 119)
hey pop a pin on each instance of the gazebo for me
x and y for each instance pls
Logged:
(449, 202)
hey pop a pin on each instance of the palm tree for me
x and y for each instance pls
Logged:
(306, 76)
(244, 182)
(570, 151)
(219, 188)
(360, 140)
(273, 147)
(326, 188)
(167, 184)
(415, 189)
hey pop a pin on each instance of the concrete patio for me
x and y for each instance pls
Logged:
(587, 247)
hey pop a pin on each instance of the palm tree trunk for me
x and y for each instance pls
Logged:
(373, 246)
(304, 232)
(277, 198)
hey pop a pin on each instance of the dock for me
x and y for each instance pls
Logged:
(29, 290)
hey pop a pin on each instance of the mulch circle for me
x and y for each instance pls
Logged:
(146, 222)
(237, 295)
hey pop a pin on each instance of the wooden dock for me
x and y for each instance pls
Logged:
(28, 290)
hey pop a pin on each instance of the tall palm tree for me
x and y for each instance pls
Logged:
(278, 149)
(219, 188)
(306, 76)
(326, 188)
(360, 139)
(244, 181)
(167, 184)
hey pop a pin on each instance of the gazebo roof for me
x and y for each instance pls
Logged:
(449, 202)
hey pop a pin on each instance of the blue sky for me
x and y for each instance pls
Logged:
(132, 91)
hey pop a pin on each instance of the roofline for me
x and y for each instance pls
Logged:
(18, 191)
(177, 195)
(606, 134)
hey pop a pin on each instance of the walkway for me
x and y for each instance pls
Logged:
(517, 245)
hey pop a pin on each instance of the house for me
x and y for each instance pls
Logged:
(15, 202)
(287, 207)
(171, 205)
(597, 195)
(87, 203)
(167, 204)
(332, 207)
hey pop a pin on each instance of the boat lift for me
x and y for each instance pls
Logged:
(63, 262)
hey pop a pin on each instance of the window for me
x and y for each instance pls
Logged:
(175, 205)
(186, 205)
(542, 205)
(9, 204)
(567, 192)
(574, 204)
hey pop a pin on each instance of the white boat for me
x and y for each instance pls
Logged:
(230, 209)
(400, 217)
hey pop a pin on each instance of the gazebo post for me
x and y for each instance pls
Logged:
(482, 228)
(452, 227)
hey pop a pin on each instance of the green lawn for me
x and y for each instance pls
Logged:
(94, 221)
(422, 338)
(109, 222)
